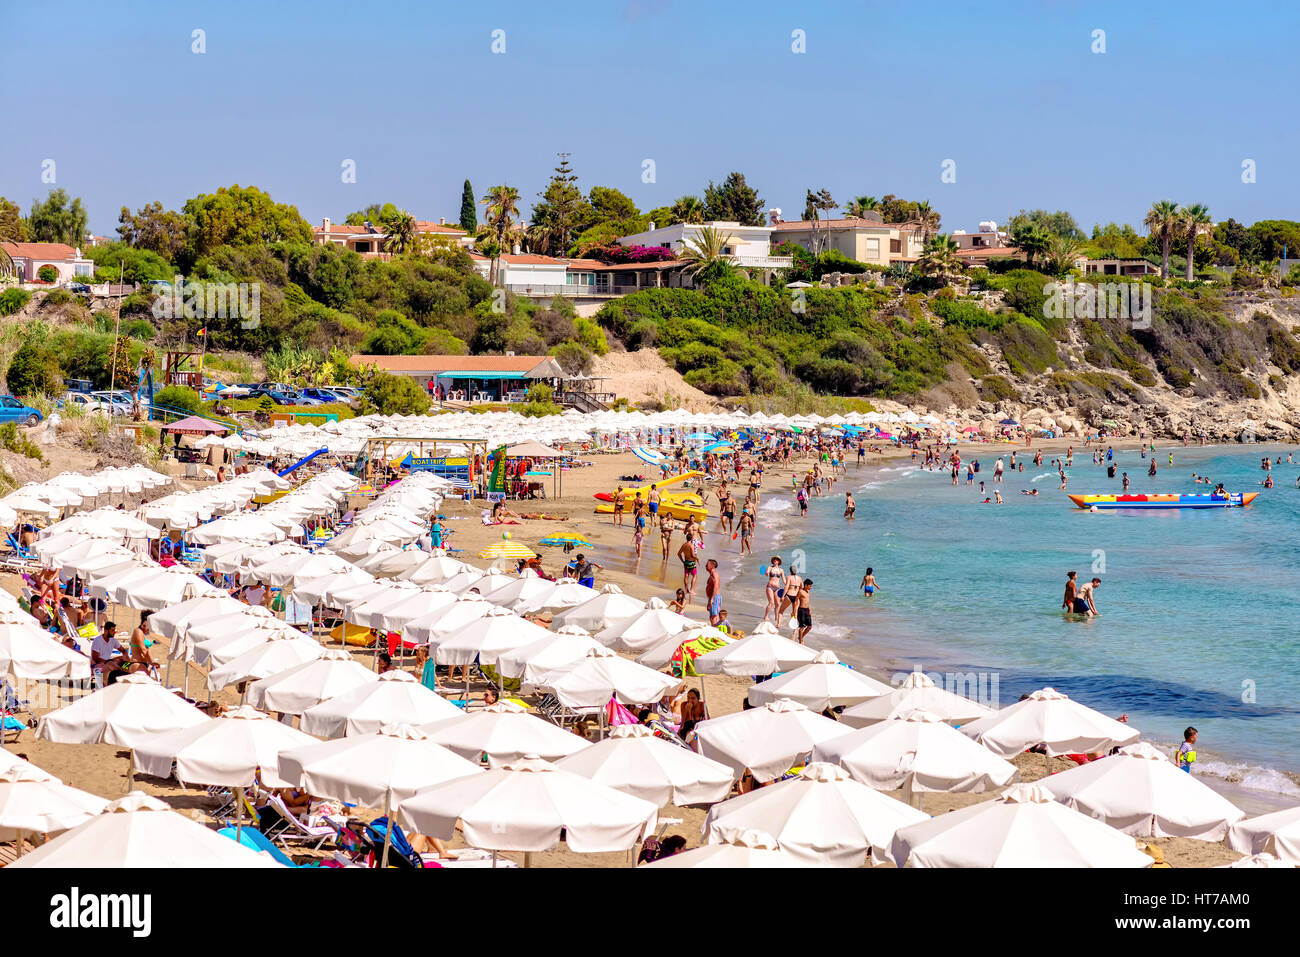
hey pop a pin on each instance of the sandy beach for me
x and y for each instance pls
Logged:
(102, 769)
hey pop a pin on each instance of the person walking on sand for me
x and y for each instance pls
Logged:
(790, 600)
(619, 504)
(666, 527)
(1186, 756)
(690, 563)
(653, 496)
(775, 588)
(747, 533)
(712, 590)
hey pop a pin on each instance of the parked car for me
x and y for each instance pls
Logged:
(119, 401)
(321, 395)
(85, 401)
(11, 410)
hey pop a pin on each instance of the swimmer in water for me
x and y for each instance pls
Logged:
(869, 586)
(1029, 491)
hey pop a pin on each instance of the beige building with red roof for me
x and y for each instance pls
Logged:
(470, 378)
(368, 239)
(866, 240)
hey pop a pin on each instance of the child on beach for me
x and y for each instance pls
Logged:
(869, 586)
(1187, 750)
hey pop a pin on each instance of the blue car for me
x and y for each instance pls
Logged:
(11, 410)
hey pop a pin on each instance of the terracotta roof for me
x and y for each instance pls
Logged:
(852, 223)
(520, 364)
(424, 226)
(990, 251)
(623, 267)
(345, 230)
(584, 264)
(53, 251)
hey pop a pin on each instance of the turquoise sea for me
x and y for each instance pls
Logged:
(1198, 608)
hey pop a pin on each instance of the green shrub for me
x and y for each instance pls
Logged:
(393, 395)
(178, 397)
(58, 297)
(47, 274)
(18, 442)
(995, 388)
(11, 300)
(34, 370)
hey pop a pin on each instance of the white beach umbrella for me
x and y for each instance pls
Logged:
(168, 586)
(417, 604)
(431, 628)
(316, 591)
(10, 762)
(504, 733)
(367, 610)
(296, 689)
(396, 698)
(759, 653)
(390, 563)
(28, 651)
(1259, 860)
(820, 684)
(661, 653)
(435, 569)
(241, 526)
(593, 680)
(1277, 833)
(139, 831)
(519, 591)
(284, 650)
(567, 593)
(746, 850)
(285, 570)
(380, 769)
(32, 802)
(375, 770)
(487, 638)
(555, 652)
(768, 740)
(822, 816)
(916, 752)
(1145, 794)
(128, 712)
(634, 761)
(524, 805)
(1024, 827)
(649, 627)
(918, 692)
(228, 751)
(172, 620)
(609, 608)
(1050, 719)
(243, 636)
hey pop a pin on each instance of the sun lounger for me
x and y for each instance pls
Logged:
(255, 840)
(291, 829)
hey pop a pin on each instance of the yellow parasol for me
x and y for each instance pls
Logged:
(507, 550)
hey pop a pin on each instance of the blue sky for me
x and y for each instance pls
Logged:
(885, 92)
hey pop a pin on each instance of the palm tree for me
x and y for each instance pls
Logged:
(1063, 252)
(1196, 220)
(706, 253)
(400, 234)
(860, 206)
(940, 259)
(687, 209)
(927, 218)
(502, 204)
(1031, 240)
(1162, 219)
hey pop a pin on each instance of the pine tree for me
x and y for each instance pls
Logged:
(559, 211)
(468, 215)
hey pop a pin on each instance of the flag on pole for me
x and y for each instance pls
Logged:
(203, 331)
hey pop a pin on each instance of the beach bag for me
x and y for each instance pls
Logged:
(616, 714)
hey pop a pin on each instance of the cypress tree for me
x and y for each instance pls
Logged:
(468, 215)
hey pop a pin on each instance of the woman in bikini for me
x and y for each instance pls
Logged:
(775, 586)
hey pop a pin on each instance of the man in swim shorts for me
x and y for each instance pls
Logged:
(803, 614)
(653, 496)
(689, 565)
(850, 506)
(869, 586)
(713, 590)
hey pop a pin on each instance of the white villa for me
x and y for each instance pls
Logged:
(29, 258)
(866, 240)
(368, 239)
(749, 247)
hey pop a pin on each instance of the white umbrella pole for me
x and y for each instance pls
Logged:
(130, 771)
(388, 830)
(494, 859)
(20, 844)
(528, 858)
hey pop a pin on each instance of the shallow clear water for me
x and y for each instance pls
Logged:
(1198, 608)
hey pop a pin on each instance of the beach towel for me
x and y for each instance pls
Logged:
(616, 714)
(683, 660)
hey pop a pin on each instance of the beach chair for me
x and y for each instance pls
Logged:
(289, 829)
(255, 840)
(14, 706)
(17, 559)
(400, 853)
